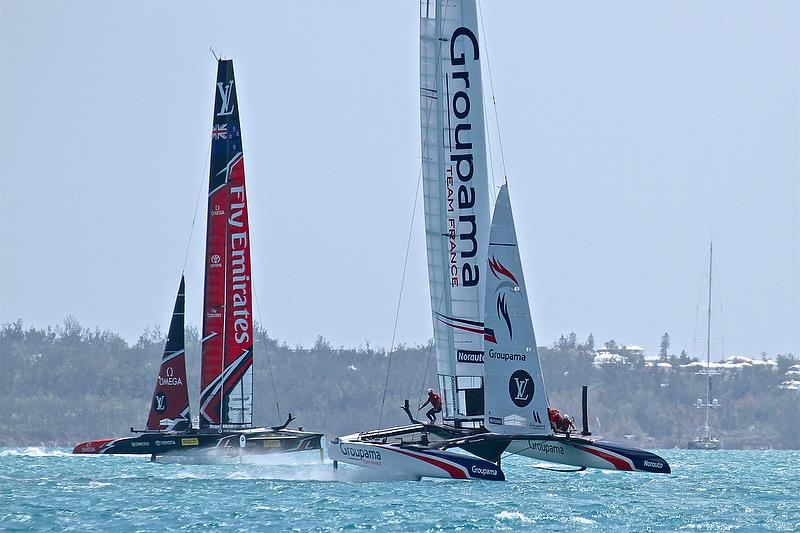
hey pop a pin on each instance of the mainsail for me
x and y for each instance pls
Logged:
(169, 409)
(456, 192)
(226, 381)
(516, 400)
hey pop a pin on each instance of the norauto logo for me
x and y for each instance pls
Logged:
(469, 356)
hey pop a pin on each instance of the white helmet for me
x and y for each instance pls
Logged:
(430, 390)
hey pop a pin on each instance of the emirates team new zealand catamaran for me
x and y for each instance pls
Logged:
(494, 399)
(226, 381)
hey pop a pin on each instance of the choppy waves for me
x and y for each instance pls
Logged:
(33, 451)
(46, 489)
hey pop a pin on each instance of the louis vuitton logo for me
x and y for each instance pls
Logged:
(225, 92)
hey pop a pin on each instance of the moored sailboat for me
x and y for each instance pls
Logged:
(705, 438)
(226, 382)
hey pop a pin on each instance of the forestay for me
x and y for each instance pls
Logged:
(516, 401)
(456, 196)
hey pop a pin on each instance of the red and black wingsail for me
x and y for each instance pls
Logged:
(169, 410)
(226, 381)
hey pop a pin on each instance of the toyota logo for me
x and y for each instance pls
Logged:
(215, 259)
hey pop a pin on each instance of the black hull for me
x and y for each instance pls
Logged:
(259, 441)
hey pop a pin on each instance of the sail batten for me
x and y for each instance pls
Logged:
(456, 197)
(227, 347)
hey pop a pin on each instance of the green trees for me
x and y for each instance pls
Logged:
(662, 352)
(65, 384)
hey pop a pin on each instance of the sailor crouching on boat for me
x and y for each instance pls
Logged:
(560, 423)
(436, 405)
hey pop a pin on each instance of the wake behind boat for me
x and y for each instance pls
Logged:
(226, 376)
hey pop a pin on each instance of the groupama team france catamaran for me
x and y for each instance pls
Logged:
(226, 380)
(490, 378)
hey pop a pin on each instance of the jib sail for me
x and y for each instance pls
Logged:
(226, 381)
(456, 192)
(169, 410)
(516, 400)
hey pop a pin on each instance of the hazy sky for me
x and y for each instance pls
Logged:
(632, 131)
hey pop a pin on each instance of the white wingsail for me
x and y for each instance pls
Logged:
(456, 193)
(516, 400)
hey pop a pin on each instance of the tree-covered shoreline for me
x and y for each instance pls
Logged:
(65, 384)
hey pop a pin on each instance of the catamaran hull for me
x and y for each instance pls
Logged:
(247, 442)
(588, 453)
(413, 461)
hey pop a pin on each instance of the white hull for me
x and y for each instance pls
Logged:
(702, 443)
(414, 462)
(588, 453)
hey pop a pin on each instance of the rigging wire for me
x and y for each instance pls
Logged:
(494, 101)
(425, 374)
(266, 353)
(196, 208)
(408, 246)
(489, 152)
(400, 296)
(718, 295)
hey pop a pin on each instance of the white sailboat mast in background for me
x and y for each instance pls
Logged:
(456, 195)
(706, 440)
(706, 428)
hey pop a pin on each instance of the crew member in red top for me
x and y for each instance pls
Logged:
(436, 405)
(555, 418)
(560, 423)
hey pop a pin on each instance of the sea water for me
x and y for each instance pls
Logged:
(47, 489)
